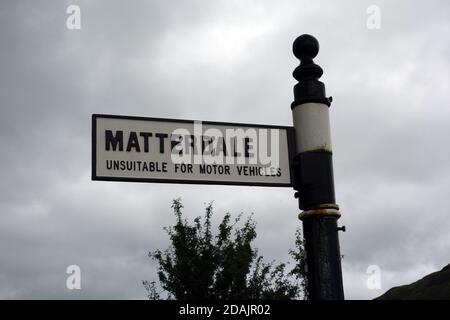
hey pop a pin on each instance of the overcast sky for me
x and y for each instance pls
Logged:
(217, 60)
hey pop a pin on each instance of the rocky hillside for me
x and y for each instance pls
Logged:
(435, 286)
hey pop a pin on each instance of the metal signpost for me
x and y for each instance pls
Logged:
(142, 149)
(313, 175)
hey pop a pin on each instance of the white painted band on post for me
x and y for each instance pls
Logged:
(312, 127)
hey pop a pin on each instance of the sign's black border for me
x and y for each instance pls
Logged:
(290, 138)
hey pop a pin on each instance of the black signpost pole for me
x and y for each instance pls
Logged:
(313, 175)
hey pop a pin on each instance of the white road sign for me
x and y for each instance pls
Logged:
(184, 151)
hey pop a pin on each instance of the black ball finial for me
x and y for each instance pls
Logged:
(305, 47)
(308, 88)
